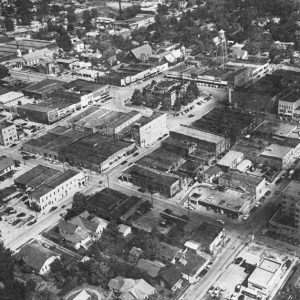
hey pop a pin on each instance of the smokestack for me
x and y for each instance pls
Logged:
(229, 95)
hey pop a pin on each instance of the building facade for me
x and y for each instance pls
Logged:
(8, 133)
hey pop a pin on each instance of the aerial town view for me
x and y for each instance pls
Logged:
(149, 149)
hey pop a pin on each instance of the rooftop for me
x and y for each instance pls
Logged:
(191, 263)
(4, 124)
(10, 96)
(198, 134)
(243, 178)
(206, 233)
(5, 162)
(228, 199)
(145, 120)
(151, 175)
(44, 85)
(276, 128)
(293, 189)
(290, 96)
(275, 150)
(230, 157)
(36, 176)
(83, 85)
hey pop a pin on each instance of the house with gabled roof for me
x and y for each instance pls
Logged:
(142, 52)
(82, 230)
(37, 257)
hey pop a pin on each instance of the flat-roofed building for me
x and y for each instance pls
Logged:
(8, 133)
(250, 183)
(289, 104)
(48, 194)
(227, 201)
(152, 180)
(231, 159)
(287, 220)
(149, 129)
(208, 141)
(6, 165)
(265, 276)
(43, 89)
(9, 97)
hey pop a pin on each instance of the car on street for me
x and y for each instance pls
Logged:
(203, 273)
(221, 221)
(258, 204)
(191, 116)
(124, 162)
(141, 190)
(14, 223)
(267, 193)
(278, 181)
(31, 223)
(135, 154)
(246, 217)
(20, 215)
(13, 145)
(53, 208)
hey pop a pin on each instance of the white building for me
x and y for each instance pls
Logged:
(231, 159)
(58, 187)
(149, 129)
(289, 105)
(265, 276)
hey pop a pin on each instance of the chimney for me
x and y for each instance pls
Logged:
(229, 95)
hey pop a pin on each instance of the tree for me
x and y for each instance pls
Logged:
(162, 9)
(137, 97)
(43, 8)
(194, 88)
(23, 11)
(94, 13)
(63, 41)
(3, 71)
(56, 266)
(9, 24)
(86, 16)
(72, 17)
(70, 27)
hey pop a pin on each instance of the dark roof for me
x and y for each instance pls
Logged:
(152, 268)
(140, 51)
(36, 176)
(83, 85)
(34, 255)
(191, 263)
(5, 163)
(151, 175)
(4, 124)
(171, 275)
(167, 252)
(206, 233)
(44, 85)
(243, 178)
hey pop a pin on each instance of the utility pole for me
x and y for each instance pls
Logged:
(107, 178)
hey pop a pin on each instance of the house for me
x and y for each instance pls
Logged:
(231, 159)
(171, 278)
(169, 253)
(207, 236)
(142, 52)
(212, 174)
(82, 230)
(130, 289)
(83, 295)
(124, 230)
(37, 257)
(6, 165)
(151, 267)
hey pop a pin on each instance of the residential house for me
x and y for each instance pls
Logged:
(130, 289)
(151, 267)
(212, 174)
(82, 230)
(37, 257)
(124, 230)
(142, 52)
(169, 253)
(171, 278)
(208, 237)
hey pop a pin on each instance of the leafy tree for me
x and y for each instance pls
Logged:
(86, 16)
(23, 11)
(3, 71)
(63, 41)
(56, 9)
(193, 88)
(70, 27)
(56, 266)
(94, 13)
(43, 8)
(9, 24)
(72, 17)
(162, 9)
(137, 97)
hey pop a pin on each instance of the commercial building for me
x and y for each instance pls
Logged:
(230, 202)
(252, 184)
(8, 133)
(231, 159)
(6, 165)
(287, 220)
(265, 276)
(149, 129)
(43, 89)
(226, 122)
(55, 189)
(152, 180)
(104, 152)
(39, 113)
(142, 53)
(35, 177)
(140, 20)
(99, 91)
(205, 140)
(8, 98)
(104, 121)
(289, 104)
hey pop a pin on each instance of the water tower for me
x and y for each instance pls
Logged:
(221, 53)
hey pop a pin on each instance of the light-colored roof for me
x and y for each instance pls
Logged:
(269, 265)
(242, 166)
(197, 134)
(275, 150)
(10, 96)
(83, 295)
(230, 157)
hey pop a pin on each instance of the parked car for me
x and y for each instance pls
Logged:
(135, 154)
(31, 223)
(20, 215)
(141, 190)
(267, 193)
(221, 221)
(53, 208)
(124, 162)
(14, 223)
